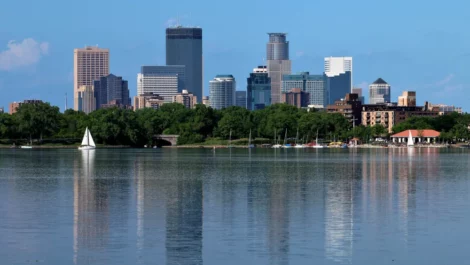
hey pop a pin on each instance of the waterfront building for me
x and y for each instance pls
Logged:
(408, 99)
(390, 114)
(188, 99)
(278, 63)
(86, 99)
(418, 136)
(166, 81)
(312, 84)
(350, 107)
(109, 88)
(148, 100)
(358, 91)
(338, 77)
(206, 101)
(184, 47)
(13, 106)
(258, 89)
(90, 64)
(240, 99)
(222, 91)
(296, 97)
(379, 92)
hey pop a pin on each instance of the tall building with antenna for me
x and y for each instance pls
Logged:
(184, 47)
(278, 63)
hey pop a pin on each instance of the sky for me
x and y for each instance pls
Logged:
(423, 46)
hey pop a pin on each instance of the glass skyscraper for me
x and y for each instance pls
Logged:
(165, 81)
(184, 47)
(312, 84)
(222, 91)
(277, 55)
(109, 88)
(258, 89)
(379, 92)
(338, 78)
(240, 99)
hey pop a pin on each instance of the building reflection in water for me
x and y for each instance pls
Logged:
(90, 203)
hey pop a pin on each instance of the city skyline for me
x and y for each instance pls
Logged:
(47, 72)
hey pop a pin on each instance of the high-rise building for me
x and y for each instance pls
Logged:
(222, 91)
(184, 47)
(148, 100)
(89, 64)
(186, 98)
(13, 107)
(296, 97)
(379, 92)
(109, 88)
(338, 77)
(358, 91)
(278, 63)
(86, 100)
(240, 99)
(314, 85)
(166, 81)
(258, 89)
(407, 99)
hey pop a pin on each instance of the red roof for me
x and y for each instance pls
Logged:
(418, 133)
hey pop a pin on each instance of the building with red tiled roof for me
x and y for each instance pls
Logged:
(419, 136)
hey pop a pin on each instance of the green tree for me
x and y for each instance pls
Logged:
(38, 120)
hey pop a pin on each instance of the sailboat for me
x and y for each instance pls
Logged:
(276, 144)
(410, 140)
(286, 145)
(297, 145)
(230, 139)
(317, 145)
(249, 141)
(87, 142)
(28, 146)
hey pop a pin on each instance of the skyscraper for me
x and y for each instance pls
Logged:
(338, 77)
(166, 81)
(89, 64)
(109, 88)
(240, 99)
(222, 91)
(312, 84)
(258, 89)
(86, 100)
(277, 55)
(184, 47)
(407, 99)
(379, 92)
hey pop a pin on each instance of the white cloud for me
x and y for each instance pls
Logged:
(20, 54)
(445, 81)
(299, 53)
(364, 85)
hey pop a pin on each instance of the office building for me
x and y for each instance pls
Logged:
(166, 81)
(350, 107)
(188, 99)
(240, 99)
(86, 99)
(205, 101)
(278, 63)
(338, 77)
(116, 103)
(379, 92)
(109, 88)
(312, 84)
(444, 109)
(222, 91)
(296, 97)
(407, 99)
(184, 47)
(148, 100)
(258, 89)
(13, 107)
(90, 64)
(358, 91)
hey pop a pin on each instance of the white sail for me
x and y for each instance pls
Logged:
(91, 143)
(410, 139)
(86, 138)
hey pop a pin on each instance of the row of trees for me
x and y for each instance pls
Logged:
(115, 126)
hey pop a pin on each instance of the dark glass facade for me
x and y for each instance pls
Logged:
(240, 99)
(184, 47)
(110, 88)
(258, 91)
(337, 86)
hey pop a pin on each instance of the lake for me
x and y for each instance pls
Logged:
(239, 206)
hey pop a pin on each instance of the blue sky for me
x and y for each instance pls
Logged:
(413, 45)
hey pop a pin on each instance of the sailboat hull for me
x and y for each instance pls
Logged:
(86, 148)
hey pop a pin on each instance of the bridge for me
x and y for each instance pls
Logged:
(170, 138)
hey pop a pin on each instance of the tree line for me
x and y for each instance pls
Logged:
(113, 126)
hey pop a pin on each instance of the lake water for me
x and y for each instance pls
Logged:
(263, 206)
